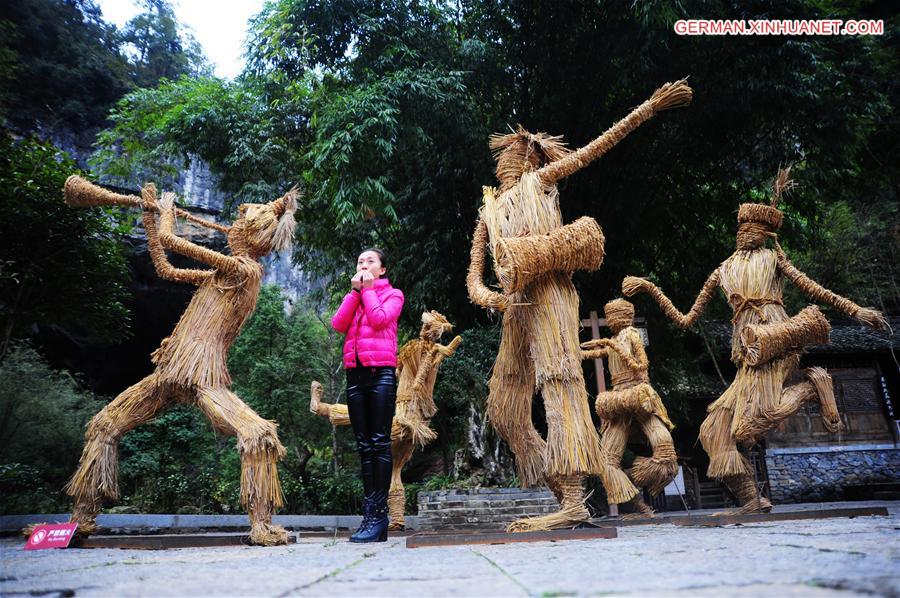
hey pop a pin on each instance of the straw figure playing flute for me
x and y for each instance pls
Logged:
(534, 256)
(417, 368)
(766, 344)
(191, 362)
(632, 402)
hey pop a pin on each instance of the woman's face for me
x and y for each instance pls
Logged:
(370, 262)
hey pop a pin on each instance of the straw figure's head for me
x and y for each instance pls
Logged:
(434, 325)
(264, 227)
(619, 314)
(757, 222)
(520, 151)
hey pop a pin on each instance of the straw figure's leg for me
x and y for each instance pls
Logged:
(510, 391)
(726, 463)
(613, 439)
(655, 472)
(96, 479)
(260, 450)
(818, 386)
(402, 450)
(572, 449)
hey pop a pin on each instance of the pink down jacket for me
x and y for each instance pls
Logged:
(369, 319)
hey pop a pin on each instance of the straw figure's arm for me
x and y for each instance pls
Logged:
(478, 292)
(597, 348)
(164, 268)
(870, 317)
(444, 352)
(316, 394)
(633, 285)
(637, 356)
(426, 365)
(670, 95)
(173, 242)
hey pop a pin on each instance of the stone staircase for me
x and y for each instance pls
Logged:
(481, 508)
(713, 495)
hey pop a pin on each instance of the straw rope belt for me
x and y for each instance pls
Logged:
(741, 304)
(628, 378)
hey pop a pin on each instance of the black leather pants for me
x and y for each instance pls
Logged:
(371, 399)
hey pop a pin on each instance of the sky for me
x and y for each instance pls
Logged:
(219, 25)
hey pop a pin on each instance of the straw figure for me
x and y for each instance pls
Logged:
(766, 344)
(632, 402)
(534, 256)
(417, 368)
(191, 362)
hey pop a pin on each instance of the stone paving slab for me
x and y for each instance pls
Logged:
(834, 557)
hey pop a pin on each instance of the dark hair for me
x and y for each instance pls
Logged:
(377, 252)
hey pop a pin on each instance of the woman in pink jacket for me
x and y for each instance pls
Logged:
(368, 316)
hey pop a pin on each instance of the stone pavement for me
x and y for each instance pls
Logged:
(791, 558)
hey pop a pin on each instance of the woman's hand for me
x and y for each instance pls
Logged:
(367, 279)
(356, 281)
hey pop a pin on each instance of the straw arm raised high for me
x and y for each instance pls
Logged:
(670, 95)
(816, 292)
(633, 285)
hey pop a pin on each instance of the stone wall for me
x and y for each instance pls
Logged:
(826, 473)
(481, 508)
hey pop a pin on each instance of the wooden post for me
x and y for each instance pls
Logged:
(595, 323)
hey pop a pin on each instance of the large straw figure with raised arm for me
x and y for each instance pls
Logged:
(766, 344)
(191, 362)
(534, 256)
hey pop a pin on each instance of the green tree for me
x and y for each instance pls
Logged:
(160, 46)
(42, 416)
(61, 66)
(58, 266)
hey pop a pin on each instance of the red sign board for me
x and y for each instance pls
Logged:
(56, 535)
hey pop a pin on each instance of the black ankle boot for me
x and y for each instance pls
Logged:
(368, 508)
(378, 524)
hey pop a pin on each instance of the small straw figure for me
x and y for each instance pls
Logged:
(766, 344)
(534, 256)
(631, 402)
(191, 362)
(417, 368)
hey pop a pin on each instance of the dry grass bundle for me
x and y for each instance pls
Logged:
(870, 317)
(655, 472)
(764, 342)
(534, 257)
(522, 260)
(613, 440)
(478, 292)
(748, 495)
(569, 491)
(632, 401)
(520, 151)
(619, 314)
(190, 363)
(80, 193)
(769, 216)
(670, 95)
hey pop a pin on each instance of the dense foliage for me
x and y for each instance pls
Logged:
(381, 111)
